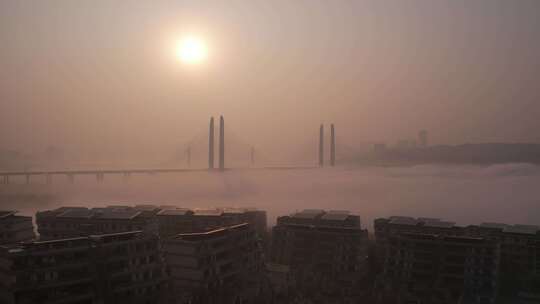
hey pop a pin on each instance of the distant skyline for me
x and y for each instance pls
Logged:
(100, 75)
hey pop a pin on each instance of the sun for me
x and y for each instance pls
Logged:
(192, 50)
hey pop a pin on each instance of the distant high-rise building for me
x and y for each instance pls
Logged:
(188, 157)
(53, 153)
(423, 138)
(379, 148)
(326, 251)
(252, 156)
(15, 228)
(402, 144)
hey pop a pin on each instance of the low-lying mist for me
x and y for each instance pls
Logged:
(465, 194)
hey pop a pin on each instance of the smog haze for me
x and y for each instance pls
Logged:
(99, 79)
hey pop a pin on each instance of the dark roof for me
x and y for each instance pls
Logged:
(336, 215)
(199, 236)
(76, 213)
(146, 207)
(231, 210)
(403, 220)
(308, 213)
(174, 212)
(118, 214)
(66, 208)
(4, 214)
(493, 225)
(207, 212)
(522, 229)
(439, 224)
(426, 221)
(119, 206)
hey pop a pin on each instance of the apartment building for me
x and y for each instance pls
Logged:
(15, 228)
(431, 268)
(519, 256)
(112, 268)
(70, 222)
(253, 216)
(223, 265)
(173, 221)
(325, 250)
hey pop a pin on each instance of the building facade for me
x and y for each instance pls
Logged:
(520, 259)
(223, 265)
(431, 268)
(113, 268)
(69, 222)
(518, 247)
(325, 250)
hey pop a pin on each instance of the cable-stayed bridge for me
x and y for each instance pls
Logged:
(200, 145)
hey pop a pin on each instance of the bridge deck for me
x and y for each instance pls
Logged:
(140, 171)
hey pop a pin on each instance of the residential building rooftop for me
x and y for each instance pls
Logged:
(199, 236)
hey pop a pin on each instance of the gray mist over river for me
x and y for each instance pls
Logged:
(465, 194)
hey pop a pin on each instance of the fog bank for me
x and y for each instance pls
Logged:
(465, 194)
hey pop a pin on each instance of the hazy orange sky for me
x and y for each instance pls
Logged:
(100, 76)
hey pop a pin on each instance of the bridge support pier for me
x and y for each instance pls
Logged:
(27, 179)
(127, 176)
(48, 179)
(5, 180)
(71, 178)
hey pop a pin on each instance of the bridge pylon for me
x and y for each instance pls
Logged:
(211, 145)
(221, 143)
(321, 146)
(332, 146)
